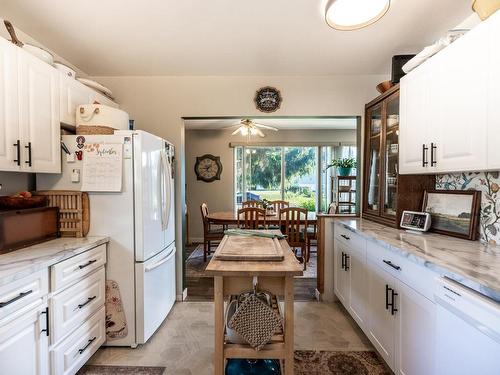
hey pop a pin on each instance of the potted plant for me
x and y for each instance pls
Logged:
(344, 166)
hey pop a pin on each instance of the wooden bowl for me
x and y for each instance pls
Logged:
(384, 86)
(19, 203)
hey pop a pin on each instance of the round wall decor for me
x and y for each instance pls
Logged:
(208, 168)
(267, 99)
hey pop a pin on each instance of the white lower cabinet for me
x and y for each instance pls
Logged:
(375, 286)
(415, 332)
(72, 353)
(24, 343)
(54, 331)
(382, 317)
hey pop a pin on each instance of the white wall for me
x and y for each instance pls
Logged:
(219, 194)
(158, 104)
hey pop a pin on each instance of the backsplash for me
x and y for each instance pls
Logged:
(489, 185)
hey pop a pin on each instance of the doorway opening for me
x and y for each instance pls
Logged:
(290, 164)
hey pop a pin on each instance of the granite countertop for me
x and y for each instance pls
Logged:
(20, 263)
(470, 263)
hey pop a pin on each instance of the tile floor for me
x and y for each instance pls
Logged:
(184, 343)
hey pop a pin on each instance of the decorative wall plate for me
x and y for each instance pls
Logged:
(267, 99)
(208, 168)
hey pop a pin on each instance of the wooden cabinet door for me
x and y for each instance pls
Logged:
(9, 121)
(414, 118)
(72, 94)
(23, 345)
(415, 333)
(494, 94)
(381, 324)
(358, 285)
(39, 115)
(458, 131)
(341, 277)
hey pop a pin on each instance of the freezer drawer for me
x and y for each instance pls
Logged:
(155, 292)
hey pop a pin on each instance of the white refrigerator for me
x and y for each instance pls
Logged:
(140, 273)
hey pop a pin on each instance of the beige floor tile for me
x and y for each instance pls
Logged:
(184, 343)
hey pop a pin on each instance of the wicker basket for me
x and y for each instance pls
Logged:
(94, 130)
(74, 214)
(485, 8)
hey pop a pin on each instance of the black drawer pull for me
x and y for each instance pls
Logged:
(46, 330)
(343, 261)
(387, 296)
(433, 151)
(18, 297)
(80, 351)
(90, 299)
(29, 154)
(393, 301)
(344, 236)
(88, 263)
(389, 263)
(424, 154)
(17, 145)
(346, 266)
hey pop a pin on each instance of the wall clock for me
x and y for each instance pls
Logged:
(267, 99)
(208, 168)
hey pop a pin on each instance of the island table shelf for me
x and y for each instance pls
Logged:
(235, 277)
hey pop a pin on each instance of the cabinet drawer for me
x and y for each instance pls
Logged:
(72, 269)
(22, 292)
(414, 275)
(69, 356)
(350, 238)
(75, 304)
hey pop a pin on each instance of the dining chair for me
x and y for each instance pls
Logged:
(210, 234)
(252, 218)
(257, 204)
(293, 221)
(277, 205)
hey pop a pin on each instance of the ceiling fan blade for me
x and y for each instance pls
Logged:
(236, 131)
(259, 132)
(266, 127)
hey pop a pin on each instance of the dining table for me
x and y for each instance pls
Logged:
(229, 218)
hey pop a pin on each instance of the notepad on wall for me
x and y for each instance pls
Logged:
(102, 167)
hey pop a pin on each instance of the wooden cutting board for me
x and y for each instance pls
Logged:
(249, 248)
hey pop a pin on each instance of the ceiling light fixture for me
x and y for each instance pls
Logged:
(247, 128)
(354, 14)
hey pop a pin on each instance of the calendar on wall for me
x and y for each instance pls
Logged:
(102, 167)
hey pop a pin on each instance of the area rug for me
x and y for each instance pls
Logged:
(120, 370)
(195, 266)
(310, 362)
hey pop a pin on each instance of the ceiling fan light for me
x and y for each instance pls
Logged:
(253, 131)
(244, 130)
(354, 14)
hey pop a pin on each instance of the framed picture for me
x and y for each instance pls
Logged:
(453, 212)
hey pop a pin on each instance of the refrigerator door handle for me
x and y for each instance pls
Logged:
(163, 191)
(160, 262)
(167, 183)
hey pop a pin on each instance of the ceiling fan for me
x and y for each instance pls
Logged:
(248, 128)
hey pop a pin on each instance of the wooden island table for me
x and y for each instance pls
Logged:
(234, 277)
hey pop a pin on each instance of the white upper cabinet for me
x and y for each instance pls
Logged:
(449, 107)
(39, 115)
(34, 99)
(494, 95)
(73, 94)
(459, 123)
(9, 121)
(413, 133)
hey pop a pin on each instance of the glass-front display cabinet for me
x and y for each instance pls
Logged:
(386, 193)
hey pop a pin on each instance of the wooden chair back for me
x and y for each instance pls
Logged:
(251, 218)
(256, 204)
(204, 216)
(293, 221)
(333, 208)
(278, 205)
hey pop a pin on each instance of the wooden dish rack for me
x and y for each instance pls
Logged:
(74, 214)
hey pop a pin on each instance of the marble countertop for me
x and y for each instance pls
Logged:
(470, 263)
(20, 263)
